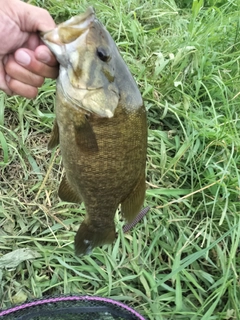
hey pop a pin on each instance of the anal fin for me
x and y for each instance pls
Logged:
(54, 139)
(131, 206)
(66, 192)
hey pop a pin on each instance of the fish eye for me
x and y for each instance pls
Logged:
(102, 54)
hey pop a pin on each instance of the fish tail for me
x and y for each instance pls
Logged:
(89, 236)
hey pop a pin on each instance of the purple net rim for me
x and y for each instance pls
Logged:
(71, 298)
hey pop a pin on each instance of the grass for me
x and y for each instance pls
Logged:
(183, 260)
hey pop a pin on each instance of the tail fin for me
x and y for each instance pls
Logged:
(89, 236)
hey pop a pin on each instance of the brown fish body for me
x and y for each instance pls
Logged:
(103, 152)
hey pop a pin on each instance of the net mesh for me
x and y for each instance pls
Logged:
(71, 308)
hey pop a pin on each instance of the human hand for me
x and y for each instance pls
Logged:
(24, 61)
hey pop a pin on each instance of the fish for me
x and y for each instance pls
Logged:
(100, 127)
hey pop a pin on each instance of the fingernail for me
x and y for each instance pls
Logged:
(44, 56)
(7, 78)
(22, 58)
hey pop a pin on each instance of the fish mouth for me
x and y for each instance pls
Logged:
(68, 35)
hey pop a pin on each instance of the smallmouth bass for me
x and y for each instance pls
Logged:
(101, 128)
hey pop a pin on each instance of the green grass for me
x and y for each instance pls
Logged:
(183, 260)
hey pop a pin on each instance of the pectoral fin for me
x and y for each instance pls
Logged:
(85, 137)
(54, 139)
(66, 192)
(131, 206)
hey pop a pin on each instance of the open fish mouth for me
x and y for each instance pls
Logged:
(88, 57)
(69, 35)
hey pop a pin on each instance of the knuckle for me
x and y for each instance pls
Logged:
(35, 80)
(9, 67)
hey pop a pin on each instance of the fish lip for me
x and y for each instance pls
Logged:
(81, 18)
(81, 22)
(60, 48)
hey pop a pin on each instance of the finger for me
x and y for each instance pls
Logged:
(22, 89)
(20, 73)
(32, 42)
(43, 54)
(3, 83)
(27, 59)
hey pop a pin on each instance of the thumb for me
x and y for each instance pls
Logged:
(32, 18)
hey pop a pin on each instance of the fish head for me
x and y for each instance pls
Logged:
(88, 57)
